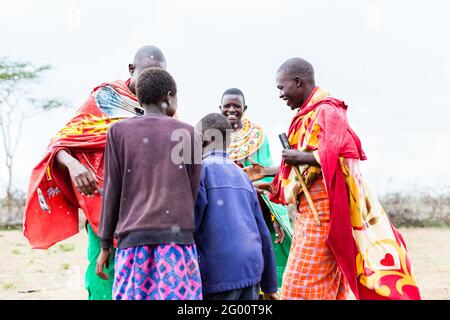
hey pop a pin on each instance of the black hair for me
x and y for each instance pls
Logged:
(153, 84)
(233, 91)
(216, 121)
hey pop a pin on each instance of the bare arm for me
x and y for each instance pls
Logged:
(298, 157)
(64, 159)
(83, 178)
(256, 171)
(271, 171)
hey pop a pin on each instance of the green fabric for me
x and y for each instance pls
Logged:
(262, 156)
(281, 214)
(281, 250)
(98, 289)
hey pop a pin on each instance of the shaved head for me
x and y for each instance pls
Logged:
(149, 54)
(295, 80)
(146, 57)
(298, 67)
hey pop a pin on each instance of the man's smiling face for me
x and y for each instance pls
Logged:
(290, 90)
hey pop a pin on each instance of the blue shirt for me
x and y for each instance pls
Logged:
(233, 241)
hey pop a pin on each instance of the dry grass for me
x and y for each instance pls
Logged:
(59, 273)
(56, 273)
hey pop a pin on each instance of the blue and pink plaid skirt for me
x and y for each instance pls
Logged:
(157, 272)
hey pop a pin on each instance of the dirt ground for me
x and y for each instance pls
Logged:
(58, 273)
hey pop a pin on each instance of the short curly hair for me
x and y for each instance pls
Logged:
(213, 123)
(233, 91)
(153, 84)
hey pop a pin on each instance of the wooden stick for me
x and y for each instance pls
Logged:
(307, 195)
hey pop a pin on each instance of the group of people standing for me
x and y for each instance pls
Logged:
(203, 216)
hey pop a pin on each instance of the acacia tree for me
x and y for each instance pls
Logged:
(16, 105)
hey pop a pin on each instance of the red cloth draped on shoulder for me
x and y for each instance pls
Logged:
(51, 210)
(336, 139)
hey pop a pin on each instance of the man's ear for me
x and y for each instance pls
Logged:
(299, 82)
(131, 68)
(245, 107)
(220, 108)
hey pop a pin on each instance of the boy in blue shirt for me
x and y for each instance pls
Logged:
(234, 245)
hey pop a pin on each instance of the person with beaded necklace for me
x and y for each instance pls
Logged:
(249, 149)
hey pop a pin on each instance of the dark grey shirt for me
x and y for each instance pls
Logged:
(151, 182)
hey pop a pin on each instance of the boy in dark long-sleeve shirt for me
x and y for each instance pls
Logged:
(233, 242)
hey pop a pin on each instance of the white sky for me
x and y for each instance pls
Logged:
(389, 60)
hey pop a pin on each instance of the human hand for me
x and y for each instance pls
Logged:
(255, 171)
(271, 296)
(103, 261)
(83, 178)
(279, 232)
(264, 187)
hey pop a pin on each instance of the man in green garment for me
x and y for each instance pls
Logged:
(109, 102)
(249, 148)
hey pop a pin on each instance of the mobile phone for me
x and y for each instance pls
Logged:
(284, 140)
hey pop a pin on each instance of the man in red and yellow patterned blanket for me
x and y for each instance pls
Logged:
(353, 245)
(70, 175)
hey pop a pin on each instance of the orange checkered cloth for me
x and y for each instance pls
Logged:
(312, 272)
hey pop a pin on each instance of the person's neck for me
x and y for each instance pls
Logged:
(309, 89)
(238, 126)
(153, 110)
(132, 88)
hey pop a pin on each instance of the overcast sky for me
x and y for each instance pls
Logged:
(389, 60)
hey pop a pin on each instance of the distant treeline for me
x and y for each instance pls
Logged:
(404, 210)
(417, 210)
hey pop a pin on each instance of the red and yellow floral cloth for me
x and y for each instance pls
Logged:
(51, 210)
